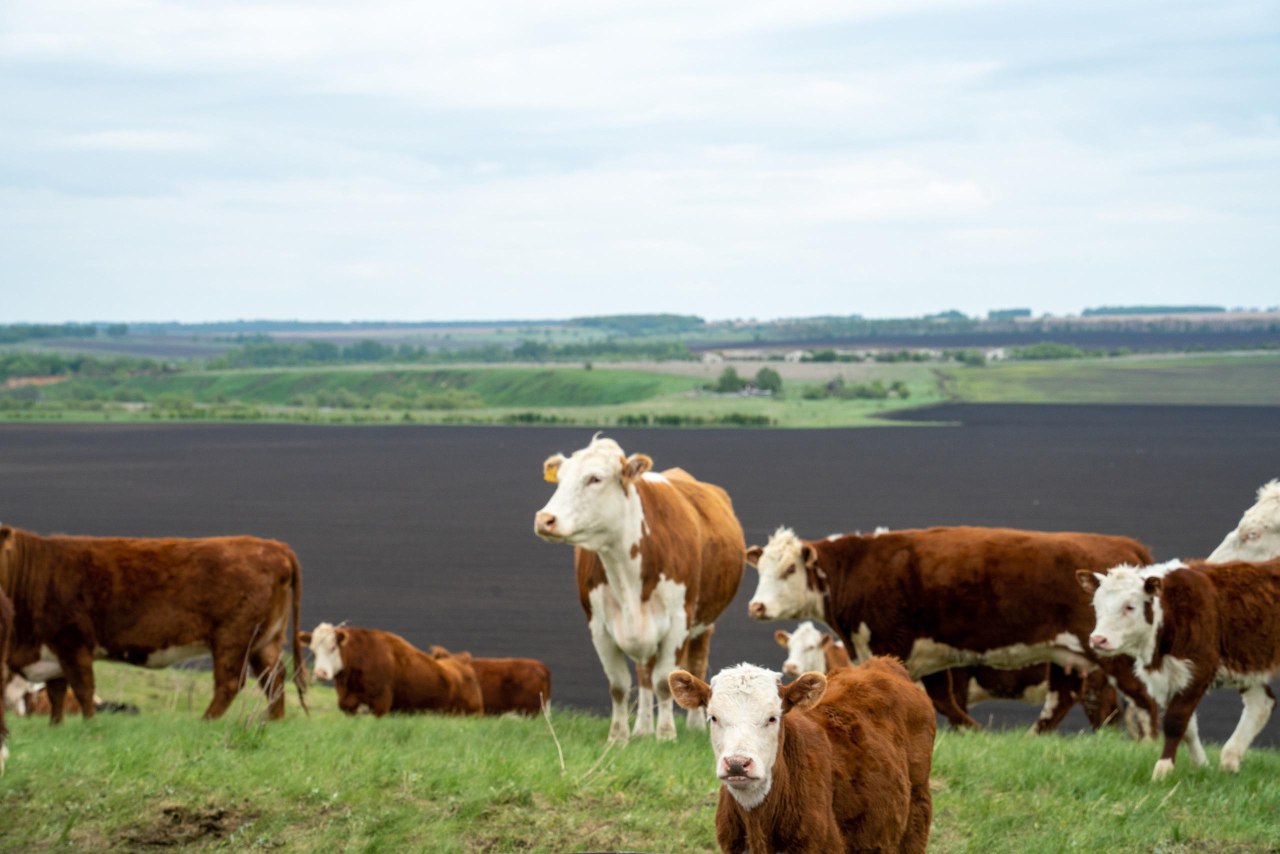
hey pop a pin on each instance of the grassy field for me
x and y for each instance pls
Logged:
(327, 782)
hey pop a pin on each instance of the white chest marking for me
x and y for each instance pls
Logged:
(1174, 675)
(639, 628)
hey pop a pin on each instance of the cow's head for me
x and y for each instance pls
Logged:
(1126, 602)
(594, 497)
(788, 566)
(806, 649)
(326, 644)
(1257, 537)
(745, 706)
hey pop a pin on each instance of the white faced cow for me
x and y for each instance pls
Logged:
(811, 649)
(657, 556)
(1257, 537)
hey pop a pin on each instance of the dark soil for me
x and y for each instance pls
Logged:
(428, 531)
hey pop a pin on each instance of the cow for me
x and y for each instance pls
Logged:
(382, 672)
(152, 602)
(26, 698)
(1257, 537)
(825, 763)
(6, 632)
(658, 557)
(520, 685)
(946, 597)
(1192, 626)
(811, 649)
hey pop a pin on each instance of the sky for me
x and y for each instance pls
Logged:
(204, 160)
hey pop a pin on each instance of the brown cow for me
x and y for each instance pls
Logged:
(152, 602)
(508, 684)
(940, 598)
(657, 556)
(1193, 626)
(384, 673)
(827, 763)
(6, 631)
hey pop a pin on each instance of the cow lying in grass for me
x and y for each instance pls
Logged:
(838, 763)
(382, 672)
(25, 698)
(519, 685)
(1190, 627)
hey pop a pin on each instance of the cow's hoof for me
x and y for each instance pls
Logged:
(665, 734)
(1163, 768)
(1230, 762)
(618, 735)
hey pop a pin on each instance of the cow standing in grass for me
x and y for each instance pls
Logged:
(1191, 627)
(657, 558)
(1257, 536)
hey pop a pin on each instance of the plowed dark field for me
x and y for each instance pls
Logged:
(427, 531)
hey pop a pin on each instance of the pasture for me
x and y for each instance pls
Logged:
(427, 531)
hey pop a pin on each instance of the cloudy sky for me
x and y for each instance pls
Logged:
(379, 160)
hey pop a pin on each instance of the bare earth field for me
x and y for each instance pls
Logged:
(427, 531)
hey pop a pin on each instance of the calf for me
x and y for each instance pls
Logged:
(384, 673)
(1190, 627)
(826, 763)
(810, 649)
(32, 698)
(508, 684)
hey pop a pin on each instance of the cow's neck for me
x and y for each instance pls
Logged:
(621, 554)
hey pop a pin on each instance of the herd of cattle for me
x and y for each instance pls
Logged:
(838, 758)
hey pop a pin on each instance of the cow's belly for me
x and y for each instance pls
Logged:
(47, 667)
(641, 628)
(1033, 694)
(930, 656)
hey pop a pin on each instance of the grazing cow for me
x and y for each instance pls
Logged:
(1257, 537)
(940, 598)
(382, 672)
(152, 602)
(26, 698)
(657, 558)
(6, 631)
(1190, 627)
(826, 763)
(508, 684)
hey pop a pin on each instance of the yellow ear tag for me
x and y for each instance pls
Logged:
(549, 475)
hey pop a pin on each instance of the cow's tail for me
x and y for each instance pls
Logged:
(299, 666)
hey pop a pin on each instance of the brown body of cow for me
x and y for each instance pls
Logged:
(151, 602)
(851, 773)
(946, 597)
(6, 632)
(508, 684)
(953, 691)
(385, 673)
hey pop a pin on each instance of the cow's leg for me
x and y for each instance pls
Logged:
(77, 668)
(616, 671)
(1258, 704)
(1100, 701)
(941, 691)
(1142, 713)
(228, 678)
(1194, 748)
(1063, 692)
(57, 689)
(644, 698)
(663, 665)
(697, 651)
(269, 669)
(1178, 716)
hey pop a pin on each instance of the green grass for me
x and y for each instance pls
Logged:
(1200, 380)
(328, 782)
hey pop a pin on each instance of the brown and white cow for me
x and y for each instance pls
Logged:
(826, 763)
(25, 698)
(6, 632)
(1191, 627)
(941, 598)
(1257, 536)
(520, 685)
(382, 672)
(657, 558)
(151, 602)
(809, 649)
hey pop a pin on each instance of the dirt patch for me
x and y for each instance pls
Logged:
(179, 825)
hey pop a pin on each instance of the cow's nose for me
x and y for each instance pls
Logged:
(322, 674)
(1098, 641)
(790, 669)
(737, 766)
(544, 523)
(757, 611)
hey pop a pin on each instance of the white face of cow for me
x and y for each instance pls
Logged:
(326, 648)
(15, 694)
(594, 504)
(783, 592)
(1257, 537)
(1126, 602)
(745, 705)
(804, 650)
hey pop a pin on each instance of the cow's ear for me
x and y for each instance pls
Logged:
(1088, 579)
(5, 531)
(783, 638)
(464, 657)
(439, 652)
(825, 640)
(551, 468)
(804, 693)
(1151, 586)
(635, 465)
(341, 635)
(754, 554)
(304, 638)
(809, 555)
(689, 691)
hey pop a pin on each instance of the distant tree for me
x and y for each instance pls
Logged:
(117, 330)
(767, 379)
(729, 382)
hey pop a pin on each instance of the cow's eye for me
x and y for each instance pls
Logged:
(791, 570)
(1252, 535)
(773, 719)
(593, 480)
(1129, 609)
(713, 719)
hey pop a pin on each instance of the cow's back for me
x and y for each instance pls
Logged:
(881, 728)
(513, 684)
(1244, 600)
(419, 681)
